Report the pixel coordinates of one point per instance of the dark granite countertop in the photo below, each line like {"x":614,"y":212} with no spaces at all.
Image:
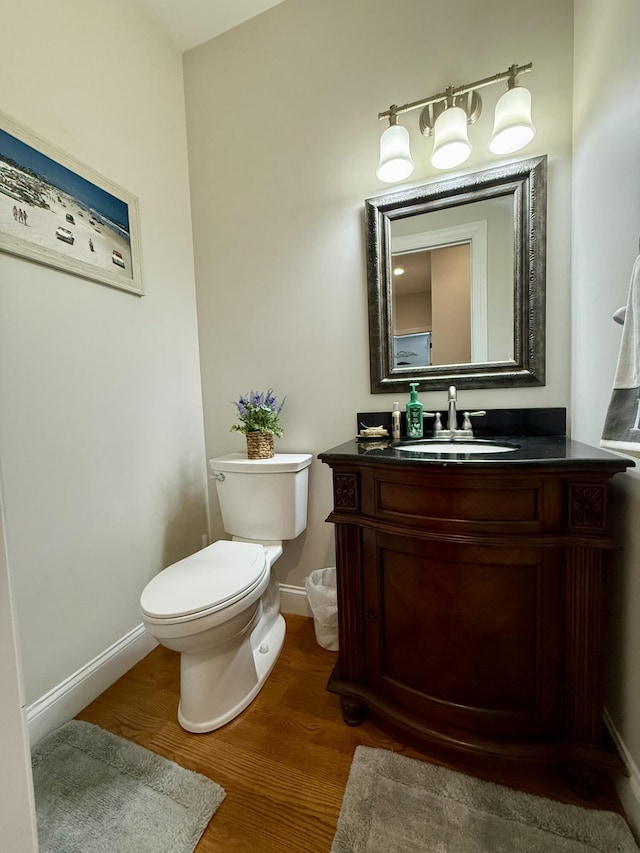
{"x":529,"y":450}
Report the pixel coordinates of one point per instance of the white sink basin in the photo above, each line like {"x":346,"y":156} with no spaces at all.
{"x":443,"y":446}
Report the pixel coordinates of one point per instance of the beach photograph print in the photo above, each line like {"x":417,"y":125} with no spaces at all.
{"x":56,"y":212}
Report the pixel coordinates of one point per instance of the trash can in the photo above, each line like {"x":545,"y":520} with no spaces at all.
{"x":322,"y":594}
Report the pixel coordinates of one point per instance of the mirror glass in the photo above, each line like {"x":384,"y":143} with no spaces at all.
{"x":456,"y":281}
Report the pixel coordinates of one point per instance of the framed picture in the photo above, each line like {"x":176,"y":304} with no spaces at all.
{"x":412,"y":350}
{"x":58,"y":212}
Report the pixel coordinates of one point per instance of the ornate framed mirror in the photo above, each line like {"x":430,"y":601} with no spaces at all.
{"x":456,"y":275}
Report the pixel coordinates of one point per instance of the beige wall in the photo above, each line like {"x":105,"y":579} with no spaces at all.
{"x":451,"y":300}
{"x":606,"y":217}
{"x":283,"y":146}
{"x":412,"y":313}
{"x":101,"y":433}
{"x":17,"y":808}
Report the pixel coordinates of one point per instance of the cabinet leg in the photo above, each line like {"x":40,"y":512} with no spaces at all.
{"x":586,"y":781}
{"x":353,"y":711}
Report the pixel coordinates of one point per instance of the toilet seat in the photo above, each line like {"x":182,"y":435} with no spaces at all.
{"x":209,"y":580}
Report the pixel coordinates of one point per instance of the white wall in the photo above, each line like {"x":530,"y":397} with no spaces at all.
{"x":283,"y":146}
{"x":606,"y":220}
{"x":101,"y":434}
{"x":17,"y":810}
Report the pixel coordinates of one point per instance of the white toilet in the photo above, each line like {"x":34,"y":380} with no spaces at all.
{"x":220,"y":607}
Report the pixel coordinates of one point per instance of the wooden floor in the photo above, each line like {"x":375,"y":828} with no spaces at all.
{"x":284,"y":762}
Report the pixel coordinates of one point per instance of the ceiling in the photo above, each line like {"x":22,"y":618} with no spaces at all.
{"x":192,"y":22}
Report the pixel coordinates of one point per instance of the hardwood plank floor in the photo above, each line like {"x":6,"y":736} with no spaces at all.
{"x":285,"y":760}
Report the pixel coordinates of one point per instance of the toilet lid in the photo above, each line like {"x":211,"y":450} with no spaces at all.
{"x":207,"y":580}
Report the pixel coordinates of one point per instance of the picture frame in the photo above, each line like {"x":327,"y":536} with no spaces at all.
{"x":412,"y":350}
{"x":60,"y":213}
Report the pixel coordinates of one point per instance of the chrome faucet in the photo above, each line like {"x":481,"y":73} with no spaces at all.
{"x":452,"y":430}
{"x":452,"y":417}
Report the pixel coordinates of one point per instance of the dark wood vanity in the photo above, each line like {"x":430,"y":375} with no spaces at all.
{"x":470,"y":594}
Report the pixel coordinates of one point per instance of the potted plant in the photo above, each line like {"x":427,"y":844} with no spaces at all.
{"x":259,"y":416}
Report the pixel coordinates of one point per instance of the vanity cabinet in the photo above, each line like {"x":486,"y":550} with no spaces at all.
{"x":470,"y":599}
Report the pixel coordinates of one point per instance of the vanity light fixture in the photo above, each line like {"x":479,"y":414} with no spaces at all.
{"x":512,"y":125}
{"x":396,"y":162}
{"x":451,"y":145}
{"x":446,"y":117}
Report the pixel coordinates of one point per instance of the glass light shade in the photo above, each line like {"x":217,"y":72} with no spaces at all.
{"x":396,"y":162}
{"x":512,"y":126}
{"x":451,"y":145}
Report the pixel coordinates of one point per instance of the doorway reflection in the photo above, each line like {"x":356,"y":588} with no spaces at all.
{"x":432,"y":306}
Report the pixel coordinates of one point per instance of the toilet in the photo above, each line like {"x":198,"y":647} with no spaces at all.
{"x":220,"y":607}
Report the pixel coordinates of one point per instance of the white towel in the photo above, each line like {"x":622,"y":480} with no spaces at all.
{"x":622,"y":425}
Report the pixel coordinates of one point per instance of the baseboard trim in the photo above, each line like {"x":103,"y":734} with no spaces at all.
{"x":68,"y":698}
{"x":628,"y":787}
{"x":63,"y":702}
{"x":293,"y":599}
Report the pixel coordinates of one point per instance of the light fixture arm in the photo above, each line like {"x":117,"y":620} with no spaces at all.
{"x":455,"y":91}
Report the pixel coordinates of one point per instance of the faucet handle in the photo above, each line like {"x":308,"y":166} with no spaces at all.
{"x":437,"y":423}
{"x":466,"y":422}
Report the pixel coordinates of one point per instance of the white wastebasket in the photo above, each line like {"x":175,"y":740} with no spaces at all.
{"x":322,"y":594}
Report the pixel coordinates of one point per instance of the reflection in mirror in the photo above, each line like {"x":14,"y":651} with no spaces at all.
{"x":447,"y":263}
{"x":456,"y":281}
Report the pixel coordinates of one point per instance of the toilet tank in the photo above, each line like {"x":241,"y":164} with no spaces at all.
{"x":263,"y":499}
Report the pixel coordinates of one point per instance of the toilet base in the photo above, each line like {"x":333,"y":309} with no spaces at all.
{"x":214,"y":692}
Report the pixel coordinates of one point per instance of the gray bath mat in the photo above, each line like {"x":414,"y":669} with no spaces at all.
{"x":98,"y":793}
{"x":395,"y":804}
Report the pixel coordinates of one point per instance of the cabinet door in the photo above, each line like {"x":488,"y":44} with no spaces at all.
{"x":467,"y":636}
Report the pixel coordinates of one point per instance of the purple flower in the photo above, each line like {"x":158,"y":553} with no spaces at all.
{"x":258,"y":411}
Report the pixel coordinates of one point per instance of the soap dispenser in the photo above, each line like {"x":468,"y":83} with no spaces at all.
{"x":414,"y":414}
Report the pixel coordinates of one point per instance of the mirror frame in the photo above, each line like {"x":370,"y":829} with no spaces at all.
{"x":526,"y":182}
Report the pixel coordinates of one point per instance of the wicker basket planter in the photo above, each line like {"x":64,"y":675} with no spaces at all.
{"x":260,"y":445}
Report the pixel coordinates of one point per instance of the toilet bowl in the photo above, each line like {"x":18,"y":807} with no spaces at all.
{"x":220,"y":607}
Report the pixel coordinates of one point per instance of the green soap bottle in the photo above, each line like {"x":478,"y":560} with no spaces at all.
{"x":414,"y":414}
